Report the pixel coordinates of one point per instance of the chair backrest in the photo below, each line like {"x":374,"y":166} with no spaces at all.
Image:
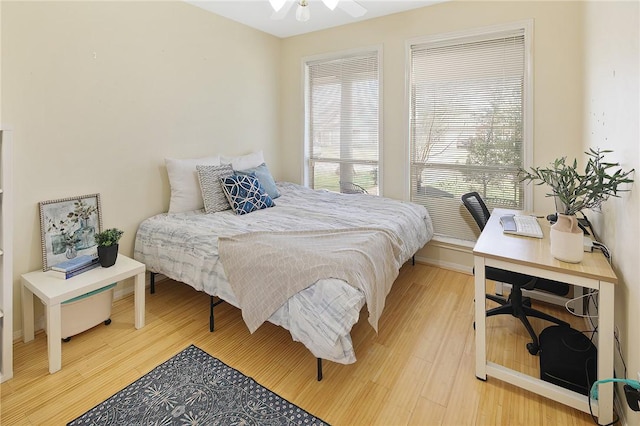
{"x":476,"y":206}
{"x":351,"y":188}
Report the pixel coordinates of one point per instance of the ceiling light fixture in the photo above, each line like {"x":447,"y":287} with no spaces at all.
{"x":277,"y":4}
{"x":302,"y":12}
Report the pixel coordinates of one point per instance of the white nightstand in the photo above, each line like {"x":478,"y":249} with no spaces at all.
{"x":53,"y":291}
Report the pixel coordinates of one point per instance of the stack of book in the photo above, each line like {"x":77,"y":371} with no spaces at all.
{"x":75,"y":266}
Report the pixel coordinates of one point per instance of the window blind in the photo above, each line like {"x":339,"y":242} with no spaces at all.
{"x":466,"y":126}
{"x":342,"y":123}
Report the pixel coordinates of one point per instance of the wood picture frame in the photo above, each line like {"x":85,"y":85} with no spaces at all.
{"x":67,"y":227}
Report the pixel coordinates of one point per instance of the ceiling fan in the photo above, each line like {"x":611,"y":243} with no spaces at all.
{"x":281,"y":8}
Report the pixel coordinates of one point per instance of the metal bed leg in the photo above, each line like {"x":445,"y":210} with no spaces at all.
{"x":211,"y":306}
{"x":152,"y":282}
{"x":319,"y":369}
{"x":413,"y":260}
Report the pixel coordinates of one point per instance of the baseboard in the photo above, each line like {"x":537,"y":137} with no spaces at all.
{"x":119,"y":293}
{"x":456,"y":267}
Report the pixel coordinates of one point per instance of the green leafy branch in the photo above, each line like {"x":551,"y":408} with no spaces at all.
{"x":578,"y":191}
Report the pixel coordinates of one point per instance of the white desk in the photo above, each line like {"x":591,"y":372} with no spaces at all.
{"x":53,"y":291}
{"x":532,"y":256}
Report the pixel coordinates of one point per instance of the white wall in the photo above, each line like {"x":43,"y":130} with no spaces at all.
{"x":611,"y":120}
{"x":0,"y":65}
{"x":99,"y":93}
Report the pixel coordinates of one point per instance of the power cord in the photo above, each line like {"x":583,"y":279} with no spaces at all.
{"x":589,"y":295}
{"x":632,"y":389}
{"x":604,"y":249}
{"x":618,"y":345}
{"x":596,"y":241}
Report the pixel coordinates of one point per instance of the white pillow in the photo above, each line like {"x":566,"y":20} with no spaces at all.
{"x":185,"y":188}
{"x":244,"y":162}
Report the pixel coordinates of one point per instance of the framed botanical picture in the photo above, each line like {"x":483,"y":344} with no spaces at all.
{"x":68,"y":227}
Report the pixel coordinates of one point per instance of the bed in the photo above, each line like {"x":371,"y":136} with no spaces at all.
{"x":184,"y":247}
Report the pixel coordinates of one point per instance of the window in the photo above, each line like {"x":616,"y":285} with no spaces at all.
{"x":342,"y":136}
{"x":468,"y":125}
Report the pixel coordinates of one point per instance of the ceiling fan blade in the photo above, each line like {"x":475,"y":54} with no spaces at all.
{"x":277,"y":4}
{"x":331,"y":4}
{"x":352,"y":8}
{"x":283,"y":11}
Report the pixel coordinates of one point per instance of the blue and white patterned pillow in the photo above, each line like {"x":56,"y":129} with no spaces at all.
{"x":245,"y":194}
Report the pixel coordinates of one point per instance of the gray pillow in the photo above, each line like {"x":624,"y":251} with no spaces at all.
{"x":212,"y":193}
{"x":264,"y":177}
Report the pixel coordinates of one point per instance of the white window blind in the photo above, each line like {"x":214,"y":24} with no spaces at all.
{"x":342,"y":101}
{"x":466,"y":126}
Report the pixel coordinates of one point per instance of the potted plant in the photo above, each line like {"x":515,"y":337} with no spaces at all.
{"x":107,"y":241}
{"x":574,"y":192}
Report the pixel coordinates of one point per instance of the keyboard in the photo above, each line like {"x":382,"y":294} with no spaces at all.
{"x":524,"y":225}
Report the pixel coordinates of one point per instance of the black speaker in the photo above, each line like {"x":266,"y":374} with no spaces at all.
{"x":568,"y":359}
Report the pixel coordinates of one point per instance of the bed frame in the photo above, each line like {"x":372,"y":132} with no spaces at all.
{"x":213,"y":303}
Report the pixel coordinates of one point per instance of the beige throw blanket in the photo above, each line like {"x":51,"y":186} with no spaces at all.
{"x":265,"y":269}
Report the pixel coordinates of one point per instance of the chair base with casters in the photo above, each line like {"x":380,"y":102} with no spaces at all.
{"x":519,"y":306}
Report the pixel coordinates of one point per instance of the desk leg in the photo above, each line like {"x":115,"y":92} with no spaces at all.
{"x":139,"y":300}
{"x":54,"y":337}
{"x":27,"y":315}
{"x":605,"y":351}
{"x":579,"y":306}
{"x":480,"y":316}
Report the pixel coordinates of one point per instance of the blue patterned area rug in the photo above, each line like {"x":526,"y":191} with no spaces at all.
{"x":194,"y":388}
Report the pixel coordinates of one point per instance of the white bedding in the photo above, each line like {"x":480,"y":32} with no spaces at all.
{"x":184,"y":247}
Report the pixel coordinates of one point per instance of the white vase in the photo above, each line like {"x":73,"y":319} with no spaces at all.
{"x":567,"y":239}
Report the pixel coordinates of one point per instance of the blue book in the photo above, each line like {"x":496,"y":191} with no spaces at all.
{"x":75,"y":263}
{"x":73,"y":273}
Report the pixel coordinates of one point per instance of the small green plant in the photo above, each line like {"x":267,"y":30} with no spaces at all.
{"x":108,"y":237}
{"x":578,"y":191}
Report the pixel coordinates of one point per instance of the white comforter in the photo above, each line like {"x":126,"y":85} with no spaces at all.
{"x":184,"y":247}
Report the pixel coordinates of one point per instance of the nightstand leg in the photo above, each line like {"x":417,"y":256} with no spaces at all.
{"x":139,"y":299}
{"x":54,"y":337}
{"x":27,"y":315}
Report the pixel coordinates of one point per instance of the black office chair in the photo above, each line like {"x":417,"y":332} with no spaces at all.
{"x":515,"y":305}
{"x":351,"y":188}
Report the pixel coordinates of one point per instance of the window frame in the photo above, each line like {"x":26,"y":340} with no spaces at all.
{"x":306,"y":160}
{"x":481,"y":33}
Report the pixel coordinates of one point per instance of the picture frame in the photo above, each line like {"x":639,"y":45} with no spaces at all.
{"x":67,"y":227}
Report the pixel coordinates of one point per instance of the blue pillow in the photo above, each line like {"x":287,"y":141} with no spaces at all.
{"x":265,"y":178}
{"x":245,"y":193}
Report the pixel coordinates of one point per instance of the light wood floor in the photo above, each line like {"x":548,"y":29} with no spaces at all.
{"x":418,"y":370}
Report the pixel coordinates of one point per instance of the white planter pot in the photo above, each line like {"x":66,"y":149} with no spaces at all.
{"x":567,"y":239}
